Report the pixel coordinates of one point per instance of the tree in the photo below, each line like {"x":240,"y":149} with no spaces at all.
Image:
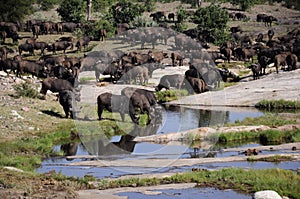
{"x":48,"y":4}
{"x":243,"y":4}
{"x":212,"y":23}
{"x":125,"y":11}
{"x":15,"y":10}
{"x":89,"y":10}
{"x":72,"y":10}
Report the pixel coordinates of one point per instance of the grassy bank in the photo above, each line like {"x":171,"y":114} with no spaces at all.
{"x":284,"y":182}
{"x":278,"y":105}
{"x":263,"y":137}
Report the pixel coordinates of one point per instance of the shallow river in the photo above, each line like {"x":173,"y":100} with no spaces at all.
{"x":174,"y":119}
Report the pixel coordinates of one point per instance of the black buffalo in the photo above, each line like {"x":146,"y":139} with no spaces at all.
{"x":55,"y":85}
{"x":112,"y":103}
{"x":67,"y":100}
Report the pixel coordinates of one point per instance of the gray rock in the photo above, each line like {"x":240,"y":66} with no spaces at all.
{"x":267,"y":194}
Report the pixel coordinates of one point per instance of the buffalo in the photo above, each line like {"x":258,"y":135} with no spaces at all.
{"x":27,"y":48}
{"x":128,"y":91}
{"x":67,"y":100}
{"x":168,"y":81}
{"x":256,"y":70}
{"x":269,"y":20}
{"x":55,"y":85}
{"x":60,"y":45}
{"x":139,"y":103}
{"x":136,"y":72}
{"x":291,"y":61}
{"x":28,"y":66}
{"x":8,"y":64}
{"x":112,"y":103}
{"x":195,"y":85}
{"x":83,"y":42}
{"x":177,"y":58}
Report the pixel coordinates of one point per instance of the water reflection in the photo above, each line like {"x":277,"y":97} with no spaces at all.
{"x":170,"y":119}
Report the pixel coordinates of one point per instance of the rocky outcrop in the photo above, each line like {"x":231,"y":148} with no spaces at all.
{"x":267,"y":194}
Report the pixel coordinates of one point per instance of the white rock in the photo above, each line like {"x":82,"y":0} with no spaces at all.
{"x":267,"y":194}
{"x":13,"y":169}
{"x":16,"y":114}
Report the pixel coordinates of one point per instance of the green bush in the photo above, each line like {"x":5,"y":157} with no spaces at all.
{"x":72,"y":10}
{"x":26,"y":90}
{"x":212,"y":23}
{"x":125,"y":11}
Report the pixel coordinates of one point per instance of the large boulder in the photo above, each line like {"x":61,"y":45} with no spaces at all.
{"x":267,"y":194}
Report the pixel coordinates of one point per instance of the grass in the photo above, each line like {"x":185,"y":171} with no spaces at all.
{"x":170,"y":95}
{"x":264,"y":137}
{"x":86,"y":79}
{"x":26,"y":90}
{"x":282,"y":181}
{"x":275,"y":158}
{"x":269,"y":119}
{"x":278,"y":104}
{"x":26,"y":153}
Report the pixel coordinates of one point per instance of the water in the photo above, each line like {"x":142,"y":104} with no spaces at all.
{"x":191,"y":193}
{"x":122,"y":147}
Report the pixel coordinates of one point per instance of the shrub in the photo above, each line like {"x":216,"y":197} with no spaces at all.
{"x":72,"y":10}
{"x":212,"y":23}
{"x":125,"y":11}
{"x":169,"y":95}
{"x":26,"y":90}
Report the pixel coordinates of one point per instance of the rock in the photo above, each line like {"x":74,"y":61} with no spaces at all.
{"x":13,"y":169}
{"x":267,"y":194}
{"x":25,"y":109}
{"x":16,"y":114}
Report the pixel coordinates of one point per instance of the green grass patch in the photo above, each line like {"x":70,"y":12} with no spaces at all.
{"x":228,"y":84}
{"x":278,"y":104}
{"x":170,"y":95}
{"x":275,"y":158}
{"x":86,"y":79}
{"x":27,"y":153}
{"x":269,"y":119}
{"x":264,"y":137}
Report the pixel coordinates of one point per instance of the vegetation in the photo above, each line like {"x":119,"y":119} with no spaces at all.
{"x":48,"y":4}
{"x":275,"y":158}
{"x":169,"y":95}
{"x":26,"y":90}
{"x":125,"y":11}
{"x":212,"y":23}
{"x":243,"y":4}
{"x":269,"y":119}
{"x":278,"y":104}
{"x":72,"y":10}
{"x":26,"y":153}
{"x":282,"y":181}
{"x":264,"y":137}
{"x":10,"y":12}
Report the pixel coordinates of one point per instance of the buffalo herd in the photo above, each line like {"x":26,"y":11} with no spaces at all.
{"x":60,"y":72}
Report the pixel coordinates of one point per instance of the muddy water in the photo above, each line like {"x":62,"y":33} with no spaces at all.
{"x":175,"y":119}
